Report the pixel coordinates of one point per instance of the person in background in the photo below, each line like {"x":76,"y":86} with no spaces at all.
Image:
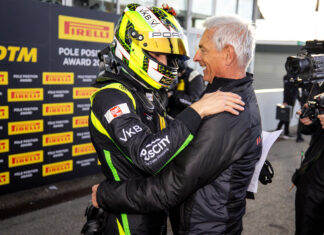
{"x":290,"y":96}
{"x":309,"y":180}
{"x":205,"y":187}
{"x":128,"y":123}
{"x":189,"y":89}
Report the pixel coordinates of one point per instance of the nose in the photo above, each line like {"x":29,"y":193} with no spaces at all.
{"x":197,"y":56}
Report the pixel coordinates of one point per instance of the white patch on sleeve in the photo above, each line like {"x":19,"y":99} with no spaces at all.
{"x":116,"y":111}
{"x":192,"y":75}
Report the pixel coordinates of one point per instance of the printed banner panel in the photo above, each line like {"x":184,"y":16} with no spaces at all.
{"x":47,"y":66}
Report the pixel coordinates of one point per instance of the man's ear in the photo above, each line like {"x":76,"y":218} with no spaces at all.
{"x":230,"y":54}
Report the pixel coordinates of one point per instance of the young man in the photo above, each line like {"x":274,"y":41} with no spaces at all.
{"x":205,"y":187}
{"x":128,"y":123}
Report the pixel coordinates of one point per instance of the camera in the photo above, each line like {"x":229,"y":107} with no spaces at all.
{"x":308,"y":65}
{"x":314,"y":107}
{"x":306,"y":70}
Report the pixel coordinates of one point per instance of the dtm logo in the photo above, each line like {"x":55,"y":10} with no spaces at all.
{"x":127,"y":134}
{"x":154,"y":148}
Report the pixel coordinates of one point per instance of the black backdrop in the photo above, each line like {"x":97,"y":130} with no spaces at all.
{"x":48,"y":60}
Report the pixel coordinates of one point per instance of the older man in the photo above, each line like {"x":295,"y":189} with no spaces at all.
{"x":205,"y":187}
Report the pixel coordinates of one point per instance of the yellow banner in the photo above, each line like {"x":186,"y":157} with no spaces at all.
{"x":25,"y":94}
{"x":4,"y":145}
{"x":82,"y":149}
{"x":25,"y":127}
{"x":50,"y":78}
{"x":3,"y":78}
{"x":57,"y":168}
{"x":80,"y":121}
{"x":58,"y":109}
{"x":22,"y":159}
{"x":4,"y":112}
{"x":83,"y":92}
{"x":4,"y":178}
{"x":58,"y":138}
{"x":81,"y":29}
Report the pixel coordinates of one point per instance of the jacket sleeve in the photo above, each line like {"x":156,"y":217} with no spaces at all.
{"x":193,"y":90}
{"x":214,"y":148}
{"x":149,"y":151}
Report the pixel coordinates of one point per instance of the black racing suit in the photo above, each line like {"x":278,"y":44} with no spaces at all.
{"x":188,"y":90}
{"x":132,"y":138}
{"x":209,"y":180}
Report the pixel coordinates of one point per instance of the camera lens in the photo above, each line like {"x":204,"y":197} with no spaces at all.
{"x":297,"y":65}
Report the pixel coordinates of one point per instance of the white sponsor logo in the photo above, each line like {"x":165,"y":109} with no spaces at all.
{"x":150,"y":18}
{"x":116,"y":111}
{"x":154,"y":148}
{"x":165,"y":34}
{"x":127,"y":134}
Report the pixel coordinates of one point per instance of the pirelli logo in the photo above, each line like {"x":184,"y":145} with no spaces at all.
{"x":25,"y":94}
{"x":83,"y":92}
{"x":82,"y":149}
{"x":57,"y":168}
{"x":58,"y":138}
{"x":80,"y":121}
{"x":22,"y":159}
{"x":4,"y":178}
{"x":4,"y":112}
{"x":58,"y":109}
{"x":3,"y":78}
{"x":25,"y":127}
{"x":80,"y":29}
{"x":58,"y":78}
{"x":4,"y":146}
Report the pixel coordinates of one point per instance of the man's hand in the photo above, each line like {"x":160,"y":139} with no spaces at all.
{"x":321,"y":118}
{"x":218,"y":102}
{"x":305,"y":121}
{"x":94,"y":195}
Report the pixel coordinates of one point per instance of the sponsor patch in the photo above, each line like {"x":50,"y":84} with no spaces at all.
{"x":116,"y":111}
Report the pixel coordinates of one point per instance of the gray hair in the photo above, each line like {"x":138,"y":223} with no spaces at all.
{"x":234,"y":31}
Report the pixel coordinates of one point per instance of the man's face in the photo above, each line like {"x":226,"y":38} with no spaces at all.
{"x":162,"y":58}
{"x":209,"y":57}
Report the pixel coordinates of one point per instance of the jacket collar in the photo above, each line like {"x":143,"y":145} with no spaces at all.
{"x":227,"y":84}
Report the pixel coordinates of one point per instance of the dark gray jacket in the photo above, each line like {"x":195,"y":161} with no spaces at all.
{"x":208,"y":180}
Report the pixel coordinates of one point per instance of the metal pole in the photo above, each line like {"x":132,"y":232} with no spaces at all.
{"x":214,"y":3}
{"x":118,"y":7}
{"x":237,"y":6}
{"x":251,"y":66}
{"x":189,"y":16}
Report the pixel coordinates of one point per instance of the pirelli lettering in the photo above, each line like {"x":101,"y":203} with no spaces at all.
{"x":58,"y":109}
{"x":57,"y":168}
{"x":3,"y":78}
{"x":4,"y":146}
{"x":25,"y":127}
{"x":58,"y":138}
{"x":4,"y":178}
{"x":83,"y":92}
{"x":4,"y":112}
{"x":81,"y":29}
{"x":82,"y":149}
{"x":22,"y":159}
{"x":80,"y":121}
{"x":25,"y":94}
{"x":50,"y":78}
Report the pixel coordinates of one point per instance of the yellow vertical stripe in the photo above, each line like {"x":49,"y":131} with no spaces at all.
{"x":120,"y":228}
{"x":162,"y":122}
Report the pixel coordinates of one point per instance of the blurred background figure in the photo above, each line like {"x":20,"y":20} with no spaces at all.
{"x":189,"y":88}
{"x":290,"y":95}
